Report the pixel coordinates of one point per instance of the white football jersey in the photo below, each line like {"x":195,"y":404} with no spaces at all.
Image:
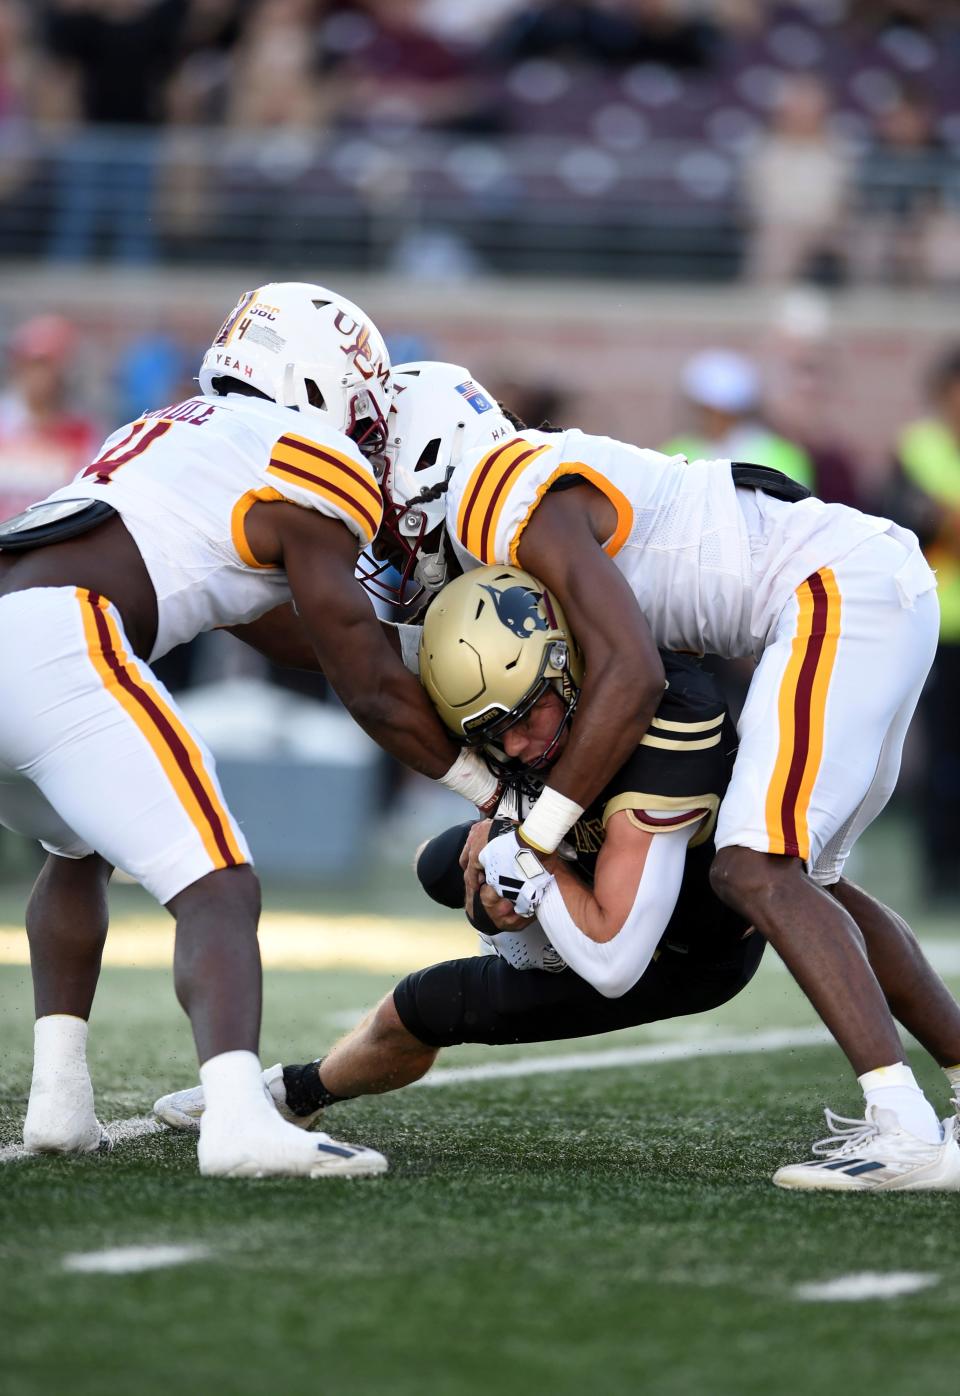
{"x":183,"y":479}
{"x":711,"y":565}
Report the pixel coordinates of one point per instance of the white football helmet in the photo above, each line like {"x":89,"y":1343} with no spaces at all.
{"x":308,"y":348}
{"x":439,"y":415}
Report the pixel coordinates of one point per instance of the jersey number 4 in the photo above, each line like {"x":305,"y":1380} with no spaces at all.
{"x":137,"y":440}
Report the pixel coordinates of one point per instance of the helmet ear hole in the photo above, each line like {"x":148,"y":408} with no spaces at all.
{"x":429,"y":454}
{"x":314,"y":395}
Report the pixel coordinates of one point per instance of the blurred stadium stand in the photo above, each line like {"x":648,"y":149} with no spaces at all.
{"x":559,"y":140}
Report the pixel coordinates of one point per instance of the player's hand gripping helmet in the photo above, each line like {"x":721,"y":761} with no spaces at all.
{"x":308,"y":348}
{"x":493,"y":642}
{"x":439,"y":415}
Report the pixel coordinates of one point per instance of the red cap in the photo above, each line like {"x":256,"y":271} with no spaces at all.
{"x":43,"y":337}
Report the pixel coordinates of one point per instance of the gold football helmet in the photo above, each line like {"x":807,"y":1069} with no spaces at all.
{"x":493,"y":642}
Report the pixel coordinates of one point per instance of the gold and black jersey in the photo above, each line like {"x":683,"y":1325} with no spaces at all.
{"x":675,"y":779}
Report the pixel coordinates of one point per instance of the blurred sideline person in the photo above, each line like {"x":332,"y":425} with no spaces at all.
{"x":211,"y":512}
{"x":722,"y":390}
{"x":43,"y":440}
{"x":796,"y":183}
{"x":924,"y":493}
{"x":723,"y":400}
{"x":839,"y":609}
{"x":628,"y":930}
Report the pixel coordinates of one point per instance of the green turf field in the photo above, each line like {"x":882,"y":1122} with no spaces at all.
{"x":608,"y":1230}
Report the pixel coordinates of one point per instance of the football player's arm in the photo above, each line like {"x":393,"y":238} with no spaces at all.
{"x":562,"y":545}
{"x":608,"y":933}
{"x":319,"y":555}
{"x":280,"y":636}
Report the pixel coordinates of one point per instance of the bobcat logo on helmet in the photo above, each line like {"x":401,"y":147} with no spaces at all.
{"x":518,"y":608}
{"x":485,"y":666}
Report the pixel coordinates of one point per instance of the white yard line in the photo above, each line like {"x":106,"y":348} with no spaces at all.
{"x":778,"y":1040}
{"x":122,"y":1131}
{"x":868,"y":1284}
{"x":129,"y":1260}
{"x":119,"y":1132}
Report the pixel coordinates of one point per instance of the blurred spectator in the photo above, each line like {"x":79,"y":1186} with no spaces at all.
{"x":123,"y":52}
{"x":925,"y":495}
{"x":940,"y":254}
{"x":43,"y":442}
{"x":196,"y":92}
{"x":120,"y":55}
{"x":620,"y":34}
{"x":17,"y":77}
{"x":403,"y":72}
{"x":155,"y":368}
{"x":803,"y":383}
{"x":722,"y":393}
{"x":15,"y":60}
{"x":797,"y":185}
{"x":901,"y":183}
{"x":276,"y":82}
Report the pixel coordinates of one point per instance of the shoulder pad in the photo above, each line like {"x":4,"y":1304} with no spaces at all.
{"x":335,"y":480}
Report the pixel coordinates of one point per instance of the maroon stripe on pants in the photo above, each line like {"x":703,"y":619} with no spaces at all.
{"x":162,"y":723}
{"x":801,"y":715}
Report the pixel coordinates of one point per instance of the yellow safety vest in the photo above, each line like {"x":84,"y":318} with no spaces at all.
{"x":768,"y":449}
{"x":930,"y":455}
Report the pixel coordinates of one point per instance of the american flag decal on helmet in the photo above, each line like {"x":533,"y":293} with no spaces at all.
{"x":477,"y":399}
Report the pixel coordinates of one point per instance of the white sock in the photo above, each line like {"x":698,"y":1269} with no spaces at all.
{"x":895,"y":1088}
{"x":233,"y":1086}
{"x":59,"y":1044}
{"x":60,"y":1112}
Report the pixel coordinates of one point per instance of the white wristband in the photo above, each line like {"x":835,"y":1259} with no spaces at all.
{"x":471,"y":777}
{"x":551,"y":817}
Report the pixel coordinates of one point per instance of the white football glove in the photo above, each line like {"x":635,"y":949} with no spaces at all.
{"x":514,"y":871}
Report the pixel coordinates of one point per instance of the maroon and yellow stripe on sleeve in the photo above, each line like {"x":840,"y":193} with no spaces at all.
{"x":336,"y":478}
{"x":801,"y":710}
{"x":172,"y":744}
{"x":486,"y":494}
{"x":617,"y":498}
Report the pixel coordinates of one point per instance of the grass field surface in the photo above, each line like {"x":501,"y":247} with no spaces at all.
{"x":609,"y":1230}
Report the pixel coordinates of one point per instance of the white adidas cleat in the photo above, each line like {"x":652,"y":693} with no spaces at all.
{"x":61,"y":1118}
{"x":875,"y":1155}
{"x":270,"y":1148}
{"x":184,"y":1109}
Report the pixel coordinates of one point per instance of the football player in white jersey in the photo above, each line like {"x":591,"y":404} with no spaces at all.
{"x":628,"y":929}
{"x":839,"y":608}
{"x":212,"y":512}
